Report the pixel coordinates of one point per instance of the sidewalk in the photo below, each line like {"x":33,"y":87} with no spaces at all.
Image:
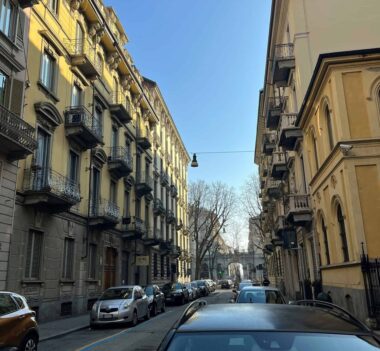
{"x":53,"y":329}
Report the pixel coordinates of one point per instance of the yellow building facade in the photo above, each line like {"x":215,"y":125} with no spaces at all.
{"x":102,"y":201}
{"x":318,"y":153}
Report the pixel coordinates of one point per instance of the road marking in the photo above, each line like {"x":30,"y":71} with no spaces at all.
{"x":111,"y":337}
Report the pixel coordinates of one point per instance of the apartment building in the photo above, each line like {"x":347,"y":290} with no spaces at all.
{"x":317,"y":148}
{"x":16,"y":135}
{"x":102,"y":200}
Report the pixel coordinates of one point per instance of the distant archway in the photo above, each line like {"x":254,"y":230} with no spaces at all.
{"x":235,"y":271}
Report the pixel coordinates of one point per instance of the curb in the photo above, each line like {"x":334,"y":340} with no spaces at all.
{"x":68,"y":331}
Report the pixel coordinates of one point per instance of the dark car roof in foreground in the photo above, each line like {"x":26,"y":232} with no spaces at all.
{"x":260,"y":317}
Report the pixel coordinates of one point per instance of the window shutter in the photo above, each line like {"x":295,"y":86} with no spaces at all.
{"x":20,"y":20}
{"x":17,"y":96}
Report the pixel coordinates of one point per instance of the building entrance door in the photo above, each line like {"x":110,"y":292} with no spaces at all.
{"x":110,"y":268}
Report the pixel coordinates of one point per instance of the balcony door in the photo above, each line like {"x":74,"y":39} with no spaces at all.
{"x":95,"y":191}
{"x":79,"y":40}
{"x":76,"y":96}
{"x":110,"y":268}
{"x":42,"y":160}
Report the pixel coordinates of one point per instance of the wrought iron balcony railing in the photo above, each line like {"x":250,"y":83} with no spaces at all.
{"x":104,"y":208}
{"x":121,"y":107}
{"x":47,"y":181}
{"x":144,"y":183}
{"x":275,"y":106}
{"x":17,"y":136}
{"x":120,"y":161}
{"x":82,"y":126}
{"x":143,"y":138}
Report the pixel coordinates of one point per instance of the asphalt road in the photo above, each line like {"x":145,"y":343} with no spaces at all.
{"x":146,"y":336}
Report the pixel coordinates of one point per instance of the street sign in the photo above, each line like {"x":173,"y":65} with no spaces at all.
{"x":142,"y":260}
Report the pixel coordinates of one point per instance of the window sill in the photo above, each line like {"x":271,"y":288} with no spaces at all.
{"x":26,"y":282}
{"x":66,"y":282}
{"x":340,"y":265}
{"x":92,"y":281}
{"x":47,"y":91}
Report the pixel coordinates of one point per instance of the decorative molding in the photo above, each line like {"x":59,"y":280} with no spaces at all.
{"x":48,"y":115}
{"x":75,"y":4}
{"x":333,"y":181}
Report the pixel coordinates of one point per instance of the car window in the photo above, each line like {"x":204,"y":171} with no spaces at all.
{"x":7,"y":305}
{"x":260,"y":296}
{"x":242,"y":285}
{"x":267,"y":341}
{"x":19,"y":301}
{"x":117,"y":293}
{"x":149,"y":290}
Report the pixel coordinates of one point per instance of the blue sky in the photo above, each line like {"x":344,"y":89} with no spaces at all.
{"x":208,"y":58}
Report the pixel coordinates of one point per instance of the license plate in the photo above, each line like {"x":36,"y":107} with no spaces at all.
{"x":107,"y":316}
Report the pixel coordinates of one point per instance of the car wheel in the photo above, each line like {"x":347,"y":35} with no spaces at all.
{"x":163,"y":308}
{"x":134,"y":319}
{"x":153,"y":310}
{"x":29,"y":343}
{"x":147,"y":316}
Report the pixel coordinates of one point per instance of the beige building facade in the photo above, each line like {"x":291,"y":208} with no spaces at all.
{"x":102,"y":200}
{"x":318,"y":153}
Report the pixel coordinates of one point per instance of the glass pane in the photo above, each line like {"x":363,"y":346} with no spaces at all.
{"x":7,"y":305}
{"x":6,"y":10}
{"x":115,"y":294}
{"x":3,"y":86}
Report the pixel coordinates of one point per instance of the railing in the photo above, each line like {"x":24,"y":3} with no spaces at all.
{"x":121,"y":99}
{"x":139,"y":225}
{"x":47,"y":180}
{"x":79,"y":47}
{"x":284,"y":51}
{"x":79,"y":115}
{"x":104,"y":208}
{"x":278,"y":157}
{"x":121,"y":153}
{"x":164,"y":178}
{"x":288,"y":120}
{"x":144,"y":178}
{"x":297,"y":203}
{"x":271,"y":183}
{"x":276,"y":102}
{"x":371,"y":274}
{"x":270,"y":138}
{"x":170,"y":217}
{"x":15,"y":128}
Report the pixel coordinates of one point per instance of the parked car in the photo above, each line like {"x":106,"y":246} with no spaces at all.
{"x":260,"y":294}
{"x":120,"y":304}
{"x":203,"y":287}
{"x":318,"y":327}
{"x":175,"y":293}
{"x":192,"y":292}
{"x":226,"y":284}
{"x":196,"y":289}
{"x":156,"y":299}
{"x":212,"y":285}
{"x":18,"y":326}
{"x":235,"y":292}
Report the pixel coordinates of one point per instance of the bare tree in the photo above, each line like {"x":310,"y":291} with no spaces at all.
{"x":210,"y":208}
{"x":252,"y":205}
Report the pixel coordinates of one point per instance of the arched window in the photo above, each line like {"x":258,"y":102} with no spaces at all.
{"x":329,"y":127}
{"x":315,"y":152}
{"x":342,"y":233}
{"x":325,"y":240}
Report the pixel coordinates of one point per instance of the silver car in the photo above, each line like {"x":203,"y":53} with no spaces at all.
{"x":192,"y":292}
{"x":120,"y":304}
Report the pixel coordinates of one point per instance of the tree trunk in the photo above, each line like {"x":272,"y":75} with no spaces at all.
{"x":197,"y":267}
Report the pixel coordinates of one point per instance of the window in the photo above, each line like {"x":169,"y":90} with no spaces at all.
{"x":79,"y":40}
{"x":147,"y":222}
{"x":99,"y":63}
{"x":113,"y":196}
{"x":126,"y":203}
{"x":48,"y":71}
{"x":95,"y":191}
{"x":167,"y":267}
{"x":314,"y":142}
{"x":92,"y":261}
{"x":76,"y":96}
{"x":329,"y":127}
{"x":155,"y":267}
{"x":114,"y":137}
{"x":19,"y":301}
{"x":3,"y":88}
{"x":73,"y":166}
{"x":325,"y":240}
{"x":138,"y":208}
{"x":7,"y":11}
{"x":7,"y":305}
{"x":342,"y":233}
{"x":33,"y":255}
{"x":68,"y":259}
{"x":53,"y":6}
{"x":97,"y":123}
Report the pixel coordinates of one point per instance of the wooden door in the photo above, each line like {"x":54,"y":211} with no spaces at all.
{"x":110,"y":268}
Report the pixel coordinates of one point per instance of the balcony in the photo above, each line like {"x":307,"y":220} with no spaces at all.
{"x":164,"y":179}
{"x":120,"y":162}
{"x":275,"y":107}
{"x":17,"y":138}
{"x":274,"y":188}
{"x":269,"y":142}
{"x":150,"y":238}
{"x":143,"y":140}
{"x":283,"y":63}
{"x":82,"y":127}
{"x":173,"y":191}
{"x":298,"y":210}
{"x":103,"y":213}
{"x":278,"y":165}
{"x":135,"y":230}
{"x":166,"y":246}
{"x":288,"y":132}
{"x":120,"y":107}
{"x":175,"y":251}
{"x":27,"y":3}
{"x":170,"y":217}
{"x":143,"y":184}
{"x":158,"y":208}
{"x":49,"y":190}
{"x":83,"y":56}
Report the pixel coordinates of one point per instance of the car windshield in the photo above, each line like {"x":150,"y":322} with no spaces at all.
{"x":266,"y":341}
{"x":194,"y":284}
{"x":242,"y":285}
{"x":117,"y":294}
{"x":260,"y":296}
{"x":149,"y":290}
{"x":201,"y":283}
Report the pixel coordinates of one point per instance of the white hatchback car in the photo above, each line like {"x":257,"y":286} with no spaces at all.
{"x":120,"y":304}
